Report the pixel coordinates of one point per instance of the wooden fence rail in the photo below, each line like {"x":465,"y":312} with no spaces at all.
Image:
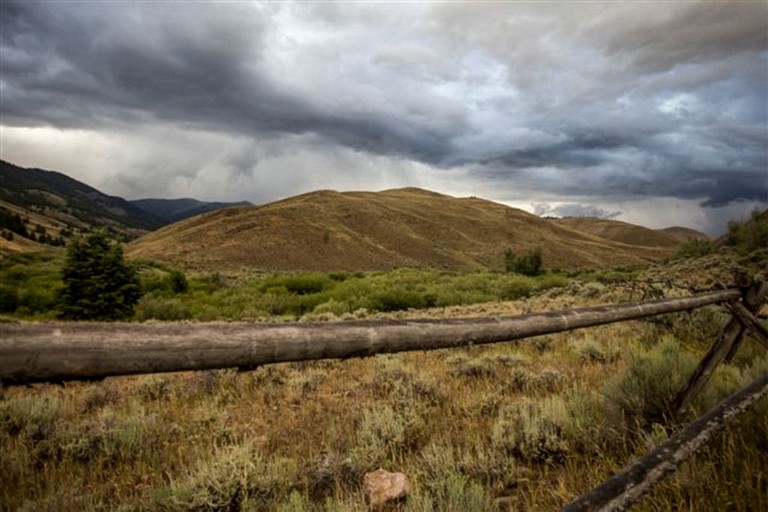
{"x":69,"y":351}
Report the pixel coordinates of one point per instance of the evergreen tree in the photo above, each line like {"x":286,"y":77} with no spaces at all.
{"x":98,"y":284}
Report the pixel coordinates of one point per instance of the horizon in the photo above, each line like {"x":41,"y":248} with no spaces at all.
{"x":625,"y":111}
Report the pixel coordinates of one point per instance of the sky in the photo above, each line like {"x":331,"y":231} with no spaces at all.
{"x":651,"y":112}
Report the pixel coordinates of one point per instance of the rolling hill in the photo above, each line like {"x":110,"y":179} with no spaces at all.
{"x":629,"y":233}
{"x":327,"y":230}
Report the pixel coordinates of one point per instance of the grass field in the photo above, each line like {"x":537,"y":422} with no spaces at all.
{"x":524,"y":426}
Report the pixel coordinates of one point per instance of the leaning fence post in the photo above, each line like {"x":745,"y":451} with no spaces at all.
{"x":753,"y":298}
{"x":725,"y":345}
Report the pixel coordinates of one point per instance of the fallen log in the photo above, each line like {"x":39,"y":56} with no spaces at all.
{"x":38,"y":352}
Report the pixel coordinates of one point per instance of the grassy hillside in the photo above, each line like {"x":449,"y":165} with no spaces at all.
{"x":328,"y":230}
{"x":631,"y":234}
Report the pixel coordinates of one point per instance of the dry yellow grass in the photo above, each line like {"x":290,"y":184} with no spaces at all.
{"x":328,"y":230}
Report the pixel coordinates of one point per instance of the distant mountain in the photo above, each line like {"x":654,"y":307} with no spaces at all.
{"x":52,"y":207}
{"x":327,"y":230}
{"x":40,"y":207}
{"x":174,"y":210}
{"x":631,"y":234}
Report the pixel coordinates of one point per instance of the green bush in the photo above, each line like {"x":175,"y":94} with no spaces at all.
{"x":299,"y":284}
{"x":645,"y":392}
{"x":749,"y":235}
{"x":528,"y":264}
{"x":158,"y":308}
{"x":9,"y":299}
{"x":694,"y":249}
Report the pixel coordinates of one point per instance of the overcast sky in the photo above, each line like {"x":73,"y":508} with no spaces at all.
{"x":652,"y":112}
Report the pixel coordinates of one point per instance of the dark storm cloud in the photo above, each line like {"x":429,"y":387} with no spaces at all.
{"x":621,"y":100}
{"x":201,"y":66}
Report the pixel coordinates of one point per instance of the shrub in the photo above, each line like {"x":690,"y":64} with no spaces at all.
{"x":516,"y":289}
{"x":528,"y":264}
{"x":30,"y":418}
{"x":385,"y":434}
{"x":591,"y":351}
{"x":164,"y":282}
{"x":235,"y":478}
{"x":695,"y":248}
{"x":750,"y":235}
{"x":298,"y":284}
{"x":397,"y":299}
{"x":157,"y":308}
{"x":644,"y":393}
{"x":533,"y":429}
{"x":9,"y":299}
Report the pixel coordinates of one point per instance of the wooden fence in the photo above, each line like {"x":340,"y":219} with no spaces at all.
{"x":55,"y":352}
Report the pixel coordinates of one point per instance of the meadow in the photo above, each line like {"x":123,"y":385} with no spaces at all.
{"x":515,"y":426}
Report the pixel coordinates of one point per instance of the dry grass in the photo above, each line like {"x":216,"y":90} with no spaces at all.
{"x":524,"y":426}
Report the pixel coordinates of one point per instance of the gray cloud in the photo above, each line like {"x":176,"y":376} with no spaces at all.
{"x":622,"y":101}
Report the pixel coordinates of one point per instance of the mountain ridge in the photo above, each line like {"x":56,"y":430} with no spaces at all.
{"x":174,"y":210}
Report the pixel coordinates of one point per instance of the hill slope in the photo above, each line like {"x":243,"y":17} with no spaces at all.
{"x":629,"y":233}
{"x":52,"y":203}
{"x":328,"y":230}
{"x":174,"y":210}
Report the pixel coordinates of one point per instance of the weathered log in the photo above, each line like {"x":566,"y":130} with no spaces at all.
{"x":753,"y":325}
{"x":64,"y":351}
{"x":632,"y":482}
{"x":724,"y":347}
{"x":753,"y":298}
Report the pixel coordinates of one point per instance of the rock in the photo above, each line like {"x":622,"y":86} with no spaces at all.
{"x":383,"y":488}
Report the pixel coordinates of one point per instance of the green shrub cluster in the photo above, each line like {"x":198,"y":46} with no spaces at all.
{"x":332,"y":295}
{"x":749,"y":235}
{"x":528,"y":264}
{"x":645,"y":392}
{"x":30,"y":284}
{"x":695,"y":248}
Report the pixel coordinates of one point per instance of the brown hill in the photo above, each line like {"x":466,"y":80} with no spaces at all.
{"x":685,"y":234}
{"x":328,"y":230}
{"x":630,"y":234}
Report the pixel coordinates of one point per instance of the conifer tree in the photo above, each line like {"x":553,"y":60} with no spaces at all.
{"x":98,"y":284}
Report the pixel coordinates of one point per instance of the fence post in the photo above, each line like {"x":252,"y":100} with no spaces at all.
{"x":753,"y":298}
{"x":725,"y":345}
